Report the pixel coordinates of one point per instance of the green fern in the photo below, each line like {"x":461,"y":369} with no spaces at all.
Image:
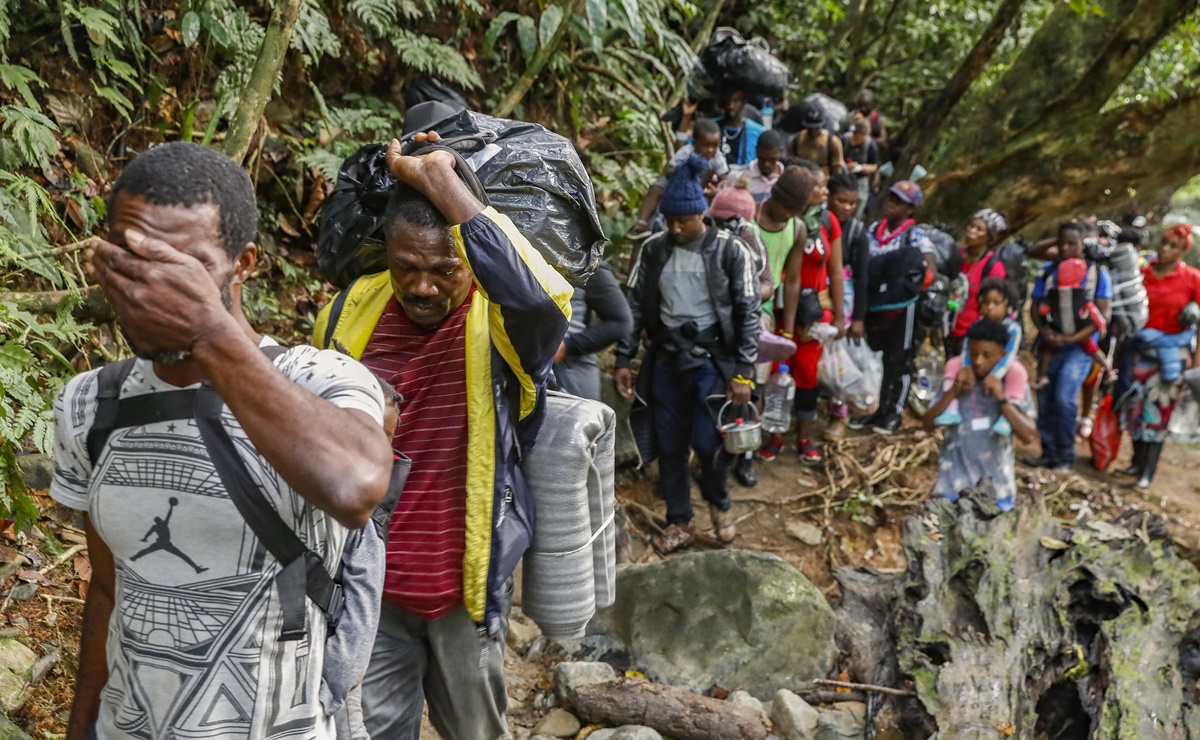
{"x":312,"y":35}
{"x":30,"y":133}
{"x":378,"y":15}
{"x":431,"y":56}
{"x":21,"y":79}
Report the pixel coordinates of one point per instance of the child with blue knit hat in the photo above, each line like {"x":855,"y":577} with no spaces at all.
{"x":693,"y":295}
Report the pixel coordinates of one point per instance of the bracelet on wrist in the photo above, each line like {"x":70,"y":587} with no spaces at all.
{"x":743,"y":381}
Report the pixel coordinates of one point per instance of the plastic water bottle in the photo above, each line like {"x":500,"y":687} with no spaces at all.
{"x":768,"y":114}
{"x":777,"y":402}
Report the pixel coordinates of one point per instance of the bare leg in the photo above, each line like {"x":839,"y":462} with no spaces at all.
{"x":649,"y":205}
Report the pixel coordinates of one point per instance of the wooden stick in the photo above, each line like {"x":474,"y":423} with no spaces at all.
{"x":71,"y":599}
{"x":864,"y":687}
{"x":70,"y":553}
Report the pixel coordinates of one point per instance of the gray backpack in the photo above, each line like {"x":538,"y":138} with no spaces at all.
{"x":350,"y":598}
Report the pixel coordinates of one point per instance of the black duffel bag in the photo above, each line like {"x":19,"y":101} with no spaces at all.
{"x":734,"y":63}
{"x":531,"y":175}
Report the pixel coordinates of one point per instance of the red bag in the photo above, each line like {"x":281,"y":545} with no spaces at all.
{"x":1106,"y":435}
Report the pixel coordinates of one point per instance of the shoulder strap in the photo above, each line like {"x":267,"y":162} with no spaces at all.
{"x":302,"y":571}
{"x":108,"y":398}
{"x":335,"y":313}
{"x":990,"y":264}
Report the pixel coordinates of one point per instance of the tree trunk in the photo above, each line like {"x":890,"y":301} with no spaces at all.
{"x":517,"y":92}
{"x":928,"y":123}
{"x":1069,"y":69}
{"x":670,"y":711}
{"x":1038,"y":144}
{"x":259,"y":87}
{"x":1089,"y":165}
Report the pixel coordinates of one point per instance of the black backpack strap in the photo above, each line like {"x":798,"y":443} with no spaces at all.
{"x":108,"y":398}
{"x":383,"y":512}
{"x":335,"y":313}
{"x":302,"y":571}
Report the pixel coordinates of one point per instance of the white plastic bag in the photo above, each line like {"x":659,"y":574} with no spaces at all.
{"x":871,"y":365}
{"x":837,"y":372}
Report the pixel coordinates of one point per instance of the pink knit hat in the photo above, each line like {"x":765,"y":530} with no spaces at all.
{"x":732,"y":201}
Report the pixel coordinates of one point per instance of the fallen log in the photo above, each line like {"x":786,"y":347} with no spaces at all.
{"x":92,"y":306}
{"x":670,"y":711}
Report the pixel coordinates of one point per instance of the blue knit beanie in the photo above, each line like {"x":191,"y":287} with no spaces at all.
{"x":684,"y":195}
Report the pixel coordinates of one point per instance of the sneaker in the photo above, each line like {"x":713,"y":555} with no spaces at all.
{"x":770,"y":450}
{"x":948,"y":418}
{"x":638,"y":232}
{"x":836,"y":430}
{"x":674,"y":537}
{"x":888,"y":425}
{"x":723,"y":524}
{"x":1062,"y":469}
{"x":1002,"y":427}
{"x":1037,"y":462}
{"x":744,"y":472}
{"x":1085,"y":427}
{"x":862,"y":422}
{"x":809,"y":453}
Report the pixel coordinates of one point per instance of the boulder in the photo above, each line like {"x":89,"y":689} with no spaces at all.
{"x":793,"y":718}
{"x":839,"y":725}
{"x":743,"y":699}
{"x":558,"y":723}
{"x":570,"y":676}
{"x":520,"y":633}
{"x":728,"y":618}
{"x":16,"y":665}
{"x":37,"y":470}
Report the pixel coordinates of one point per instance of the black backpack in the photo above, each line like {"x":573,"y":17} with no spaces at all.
{"x":896,"y":279}
{"x":302,"y":572}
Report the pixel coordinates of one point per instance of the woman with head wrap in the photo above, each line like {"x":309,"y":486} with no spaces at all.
{"x":1161,"y":352}
{"x":984,"y":231}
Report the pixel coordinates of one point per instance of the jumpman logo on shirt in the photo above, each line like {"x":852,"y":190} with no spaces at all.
{"x":161,"y":529}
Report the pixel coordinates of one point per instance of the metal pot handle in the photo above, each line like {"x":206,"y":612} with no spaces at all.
{"x":727,"y":404}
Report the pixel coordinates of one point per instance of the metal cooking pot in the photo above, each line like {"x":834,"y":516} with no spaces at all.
{"x":740,"y":436}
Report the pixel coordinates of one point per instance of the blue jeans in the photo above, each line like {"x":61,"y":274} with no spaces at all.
{"x":682,"y":420}
{"x":1058,"y":403}
{"x":1168,"y":347}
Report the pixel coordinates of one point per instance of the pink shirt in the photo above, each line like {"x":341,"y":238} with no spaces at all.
{"x":1015,"y":380}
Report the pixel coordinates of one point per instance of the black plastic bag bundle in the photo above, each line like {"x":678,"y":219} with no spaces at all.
{"x":734,"y":63}
{"x":531,"y":175}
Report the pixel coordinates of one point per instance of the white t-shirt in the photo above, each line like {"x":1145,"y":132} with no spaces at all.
{"x":193,"y":647}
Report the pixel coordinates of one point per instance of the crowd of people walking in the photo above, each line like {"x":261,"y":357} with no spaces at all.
{"x":291,"y":590}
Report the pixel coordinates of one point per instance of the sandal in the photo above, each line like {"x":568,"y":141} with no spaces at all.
{"x":674,"y":537}
{"x":723,"y":524}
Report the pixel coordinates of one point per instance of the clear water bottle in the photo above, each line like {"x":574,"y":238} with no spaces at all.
{"x":777,"y":401}
{"x":768,"y":114}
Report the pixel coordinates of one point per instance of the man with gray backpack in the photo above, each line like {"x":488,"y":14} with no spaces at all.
{"x":222,"y":477}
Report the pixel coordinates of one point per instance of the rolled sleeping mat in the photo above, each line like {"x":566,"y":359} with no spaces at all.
{"x":565,"y":471}
{"x":601,"y":504}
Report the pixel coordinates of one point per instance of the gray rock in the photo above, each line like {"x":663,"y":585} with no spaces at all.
{"x":743,"y":699}
{"x":730,"y":618}
{"x":839,"y":725}
{"x":857,"y":708}
{"x":625,"y":451}
{"x":37,"y":470}
{"x":570,"y":676}
{"x":558,"y":723}
{"x":16,"y":663}
{"x":23,"y":592}
{"x":805,"y":532}
{"x":9,"y":731}
{"x":628,"y":732}
{"x":794,"y":719}
{"x":521,"y":633}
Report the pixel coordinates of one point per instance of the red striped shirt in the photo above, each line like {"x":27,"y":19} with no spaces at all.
{"x":427,"y":536}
